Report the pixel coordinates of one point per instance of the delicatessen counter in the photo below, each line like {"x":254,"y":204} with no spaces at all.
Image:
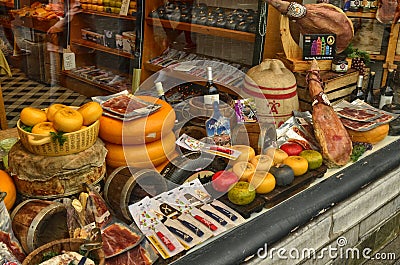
{"x":131,"y":183}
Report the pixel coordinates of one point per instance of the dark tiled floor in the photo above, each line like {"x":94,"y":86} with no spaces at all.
{"x":20,"y":92}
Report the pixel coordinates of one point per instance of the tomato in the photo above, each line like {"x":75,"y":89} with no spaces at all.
{"x":223,"y":180}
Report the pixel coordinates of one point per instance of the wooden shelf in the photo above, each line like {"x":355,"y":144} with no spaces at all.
{"x":33,"y":23}
{"x":219,"y":32}
{"x":84,"y":80}
{"x":106,"y":14}
{"x":95,"y":46}
{"x":7,"y":4}
{"x":377,"y":57}
{"x":360,"y":14}
{"x":184,"y":76}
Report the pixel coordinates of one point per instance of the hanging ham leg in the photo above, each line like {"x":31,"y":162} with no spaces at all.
{"x":335,"y":142}
{"x":321,"y":18}
{"x":386,"y":11}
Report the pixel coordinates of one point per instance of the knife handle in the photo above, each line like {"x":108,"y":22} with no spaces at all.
{"x":225,"y":212}
{"x":215,"y":217}
{"x":166,"y":241}
{"x":192,"y":228}
{"x":180,"y":233}
{"x":206,"y":222}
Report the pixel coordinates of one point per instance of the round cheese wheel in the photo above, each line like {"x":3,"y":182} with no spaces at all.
{"x":247,"y":153}
{"x":144,"y":130}
{"x":147,"y":155}
{"x":372,"y":136}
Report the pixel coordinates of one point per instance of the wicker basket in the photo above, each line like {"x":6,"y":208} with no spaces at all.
{"x":75,"y":141}
{"x":69,"y":244}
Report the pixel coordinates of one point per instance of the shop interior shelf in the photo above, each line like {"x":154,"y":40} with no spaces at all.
{"x":184,"y":76}
{"x":95,"y":46}
{"x":7,"y":4}
{"x":361,"y":14}
{"x":33,"y":23}
{"x":107,"y":14}
{"x":87,"y":81}
{"x":219,"y":32}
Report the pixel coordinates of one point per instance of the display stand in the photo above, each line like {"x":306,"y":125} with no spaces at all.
{"x":292,"y":55}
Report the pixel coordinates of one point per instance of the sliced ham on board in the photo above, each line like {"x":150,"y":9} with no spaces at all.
{"x":335,"y":142}
{"x":317,"y":19}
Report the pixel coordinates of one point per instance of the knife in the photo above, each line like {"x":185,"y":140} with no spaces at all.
{"x":174,"y":230}
{"x":196,"y":202}
{"x":173,"y":213}
{"x":225,"y":212}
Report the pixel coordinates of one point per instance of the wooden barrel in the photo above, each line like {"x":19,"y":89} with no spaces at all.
{"x":58,"y":246}
{"x":37,"y":222}
{"x":127,"y":185}
{"x":274,"y":89}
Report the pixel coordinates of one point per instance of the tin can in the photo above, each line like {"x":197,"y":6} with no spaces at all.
{"x":339,"y":65}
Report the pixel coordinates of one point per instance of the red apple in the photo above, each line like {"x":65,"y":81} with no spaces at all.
{"x":223,"y":180}
{"x":292,"y":149}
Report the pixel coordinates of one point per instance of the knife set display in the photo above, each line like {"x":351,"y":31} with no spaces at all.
{"x":182,"y":218}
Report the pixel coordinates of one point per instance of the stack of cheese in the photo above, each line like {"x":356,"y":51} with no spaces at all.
{"x":143,"y":143}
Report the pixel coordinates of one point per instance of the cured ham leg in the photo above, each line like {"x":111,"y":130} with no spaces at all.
{"x":386,"y":11}
{"x":335,"y":142}
{"x":319,"y":18}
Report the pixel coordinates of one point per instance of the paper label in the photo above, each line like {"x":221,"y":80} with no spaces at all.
{"x":69,"y":60}
{"x":124,"y":8}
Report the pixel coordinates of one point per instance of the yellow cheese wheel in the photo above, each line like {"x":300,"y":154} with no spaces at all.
{"x":372,"y":136}
{"x":247,"y":153}
{"x":142,"y":155}
{"x":144,"y":130}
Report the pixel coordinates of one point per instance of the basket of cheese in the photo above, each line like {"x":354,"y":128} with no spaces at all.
{"x":59,"y":129}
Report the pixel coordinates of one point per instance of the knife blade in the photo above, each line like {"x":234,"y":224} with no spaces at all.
{"x":196,"y":202}
{"x":225,"y":212}
{"x":173,"y":213}
{"x":173,"y":230}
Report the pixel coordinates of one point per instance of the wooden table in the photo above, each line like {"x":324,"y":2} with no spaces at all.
{"x":8,"y":133}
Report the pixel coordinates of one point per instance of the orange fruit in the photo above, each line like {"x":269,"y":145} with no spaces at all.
{"x":31,"y":116}
{"x":264,"y":182}
{"x":7,"y":185}
{"x":298,"y":164}
{"x":67,"y":120}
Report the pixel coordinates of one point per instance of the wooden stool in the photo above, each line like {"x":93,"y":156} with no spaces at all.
{"x":3,"y":116}
{"x":4,"y":69}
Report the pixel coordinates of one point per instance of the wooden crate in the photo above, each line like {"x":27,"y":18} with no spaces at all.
{"x":337,"y":86}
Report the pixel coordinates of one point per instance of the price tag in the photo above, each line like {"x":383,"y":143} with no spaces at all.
{"x":69,"y":59}
{"x":124,"y":8}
